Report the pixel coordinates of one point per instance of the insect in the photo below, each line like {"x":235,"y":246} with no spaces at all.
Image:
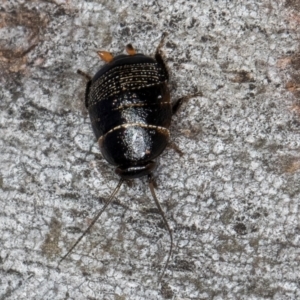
{"x":130,"y":110}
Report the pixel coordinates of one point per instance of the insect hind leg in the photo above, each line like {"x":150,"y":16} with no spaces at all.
{"x":159,"y":57}
{"x":88,"y":85}
{"x":85,"y":75}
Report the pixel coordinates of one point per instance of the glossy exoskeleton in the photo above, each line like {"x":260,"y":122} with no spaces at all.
{"x":129,"y":106}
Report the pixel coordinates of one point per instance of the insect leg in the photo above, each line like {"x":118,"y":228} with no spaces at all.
{"x":85,"y":75}
{"x":158,"y":55}
{"x":88,"y":85}
{"x":177,"y":104}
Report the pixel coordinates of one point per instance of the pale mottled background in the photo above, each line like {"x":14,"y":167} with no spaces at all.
{"x":232,"y":199}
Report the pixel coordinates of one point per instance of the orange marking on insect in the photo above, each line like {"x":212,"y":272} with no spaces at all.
{"x":105,"y":56}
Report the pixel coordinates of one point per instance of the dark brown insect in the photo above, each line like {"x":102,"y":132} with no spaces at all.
{"x":130,"y":110}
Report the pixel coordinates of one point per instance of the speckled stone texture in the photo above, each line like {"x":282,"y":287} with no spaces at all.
{"x":232,"y":198}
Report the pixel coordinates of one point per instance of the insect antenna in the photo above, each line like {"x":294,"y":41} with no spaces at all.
{"x":151,"y":186}
{"x":95,"y":219}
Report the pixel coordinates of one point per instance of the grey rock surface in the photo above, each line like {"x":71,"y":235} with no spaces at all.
{"x":232,"y":198}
